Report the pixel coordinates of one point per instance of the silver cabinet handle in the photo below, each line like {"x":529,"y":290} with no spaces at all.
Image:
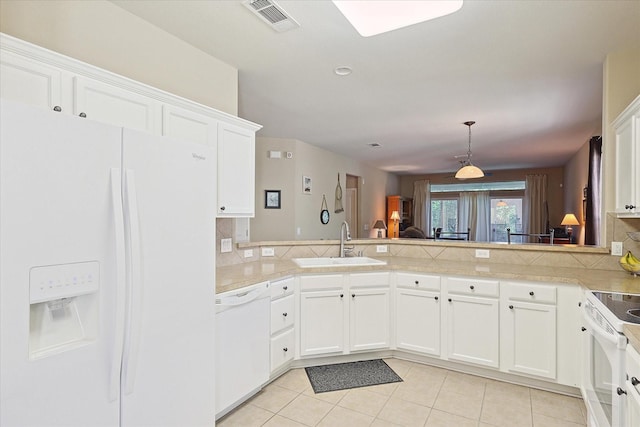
{"x":57,"y":109}
{"x":83,"y":115}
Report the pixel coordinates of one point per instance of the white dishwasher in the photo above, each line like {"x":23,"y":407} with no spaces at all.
{"x":242,"y":345}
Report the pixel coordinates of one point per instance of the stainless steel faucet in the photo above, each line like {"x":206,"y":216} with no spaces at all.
{"x":344,"y":228}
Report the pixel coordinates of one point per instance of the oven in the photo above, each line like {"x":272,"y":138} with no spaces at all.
{"x":604,"y":316}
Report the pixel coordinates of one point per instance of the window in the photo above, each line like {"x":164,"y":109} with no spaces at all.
{"x":444,"y":214}
{"x":506,"y":206}
{"x":505,"y":213}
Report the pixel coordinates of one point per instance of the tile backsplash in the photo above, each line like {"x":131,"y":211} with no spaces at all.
{"x":617,"y":229}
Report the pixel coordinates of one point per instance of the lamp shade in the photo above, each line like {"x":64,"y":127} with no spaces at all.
{"x":468,"y":172}
{"x":570,"y":219}
{"x":395,"y":215}
{"x":380,"y":225}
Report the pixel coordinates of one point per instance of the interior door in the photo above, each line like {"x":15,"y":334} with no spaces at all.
{"x":168,"y":370}
{"x":57,"y":225}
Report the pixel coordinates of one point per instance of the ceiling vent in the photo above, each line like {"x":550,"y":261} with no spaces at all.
{"x":272,"y":14}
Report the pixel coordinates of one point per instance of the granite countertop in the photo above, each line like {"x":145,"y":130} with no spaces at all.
{"x":240,"y":275}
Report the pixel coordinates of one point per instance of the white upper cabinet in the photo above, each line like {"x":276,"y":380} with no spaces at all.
{"x":236,"y":171}
{"x":37,"y":76}
{"x":119,"y":107}
{"x":181,"y":123}
{"x":30,"y":82}
{"x":627,"y":170}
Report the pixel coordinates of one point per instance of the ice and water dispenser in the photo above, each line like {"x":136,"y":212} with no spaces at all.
{"x":63,"y":307}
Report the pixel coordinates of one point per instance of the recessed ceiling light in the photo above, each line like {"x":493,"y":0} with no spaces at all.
{"x":374,"y":17}
{"x":343,"y":70}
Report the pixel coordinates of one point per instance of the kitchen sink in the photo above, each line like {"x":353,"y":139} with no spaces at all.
{"x":336,"y":262}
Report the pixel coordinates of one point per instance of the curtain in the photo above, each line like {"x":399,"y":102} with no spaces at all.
{"x":422,"y":205}
{"x":535,"y":210}
{"x":474,"y":213}
{"x":592,"y":216}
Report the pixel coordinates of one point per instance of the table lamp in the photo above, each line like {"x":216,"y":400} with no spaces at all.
{"x":569,"y":220}
{"x":395,"y":216}
{"x":380,"y":226}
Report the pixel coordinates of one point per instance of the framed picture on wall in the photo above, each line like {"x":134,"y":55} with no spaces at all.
{"x":272,"y":199}
{"x":306,"y":184}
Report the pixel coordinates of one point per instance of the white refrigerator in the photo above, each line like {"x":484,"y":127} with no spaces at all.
{"x":107,"y":275}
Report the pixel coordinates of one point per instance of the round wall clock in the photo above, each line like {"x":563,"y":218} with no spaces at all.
{"x":324,"y":212}
{"x":324,"y":216}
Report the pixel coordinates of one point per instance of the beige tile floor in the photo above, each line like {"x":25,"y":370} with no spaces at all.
{"x":428,"y":396}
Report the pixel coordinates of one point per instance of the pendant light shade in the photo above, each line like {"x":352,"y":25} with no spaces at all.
{"x":469,"y":171}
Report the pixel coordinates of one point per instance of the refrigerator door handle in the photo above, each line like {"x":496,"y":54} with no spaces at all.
{"x":118,"y":340}
{"x":134,"y":325}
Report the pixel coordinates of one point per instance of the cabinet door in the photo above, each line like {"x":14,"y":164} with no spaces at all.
{"x":282,"y":313}
{"x":529,"y":338}
{"x":369,"y":319}
{"x":236,"y":171}
{"x":633,"y":404}
{"x":473,"y":330}
{"x":184,"y":124}
{"x":119,"y":107}
{"x":322,"y":322}
{"x":418,"y":321}
{"x":627,"y":171}
{"x":282,"y":350}
{"x":29,"y":82}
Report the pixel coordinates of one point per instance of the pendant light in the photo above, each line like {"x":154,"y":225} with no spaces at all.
{"x":469,"y":171}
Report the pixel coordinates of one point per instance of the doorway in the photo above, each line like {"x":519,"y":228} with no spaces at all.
{"x":351,"y":208}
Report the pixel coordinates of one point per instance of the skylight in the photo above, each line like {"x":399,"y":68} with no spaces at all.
{"x":375,"y":17}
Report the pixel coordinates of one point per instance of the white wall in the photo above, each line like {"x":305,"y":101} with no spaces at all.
{"x":102,"y":34}
{"x":302,"y":211}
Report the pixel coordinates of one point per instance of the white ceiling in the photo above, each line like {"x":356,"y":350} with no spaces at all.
{"x":528,"y":72}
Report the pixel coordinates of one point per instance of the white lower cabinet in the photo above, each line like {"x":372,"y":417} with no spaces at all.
{"x":282,"y":323}
{"x":322,"y":322}
{"x":369,"y":319}
{"x":471,"y":316}
{"x":282,"y":349}
{"x":632,"y":387}
{"x":417,"y":313}
{"x":344,"y":313}
{"x":529,"y":329}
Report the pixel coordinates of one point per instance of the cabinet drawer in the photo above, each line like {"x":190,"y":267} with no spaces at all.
{"x":282,"y":349}
{"x":321,"y":282}
{"x":471,"y":286}
{"x":369,"y":279}
{"x":417,"y":281}
{"x":530,"y":292}
{"x":282,"y":288}
{"x":282,"y":313}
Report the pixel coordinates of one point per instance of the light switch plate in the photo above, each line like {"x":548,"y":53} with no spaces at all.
{"x":616,"y":248}
{"x":381,"y":249}
{"x":248,"y":253}
{"x":225,"y":245}
{"x":268,"y":252}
